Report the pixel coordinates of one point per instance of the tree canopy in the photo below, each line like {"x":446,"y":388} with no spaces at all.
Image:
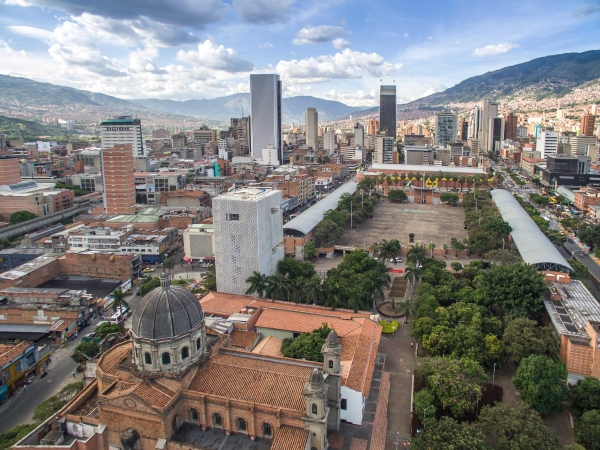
{"x":539,"y":379}
{"x":20,"y":216}
{"x":306,"y":345}
{"x":449,"y":197}
{"x":588,"y":233}
{"x":148,"y":285}
{"x":107,"y":328}
{"x":585,"y":396}
{"x":523,"y":338}
{"x":587,"y":430}
{"x":396,"y":195}
{"x":327,"y":231}
{"x":448,"y":434}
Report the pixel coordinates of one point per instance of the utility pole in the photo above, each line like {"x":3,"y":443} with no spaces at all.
{"x":351,"y":214}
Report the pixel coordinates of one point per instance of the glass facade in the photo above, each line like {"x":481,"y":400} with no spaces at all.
{"x":387,"y":110}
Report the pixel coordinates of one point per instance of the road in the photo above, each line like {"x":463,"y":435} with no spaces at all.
{"x":20,"y":410}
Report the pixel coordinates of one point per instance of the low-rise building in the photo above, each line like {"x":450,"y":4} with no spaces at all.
{"x":38,"y":198}
{"x":17,"y":363}
{"x":199,"y":242}
{"x":151,"y":247}
{"x":585,"y":198}
{"x":528,"y":165}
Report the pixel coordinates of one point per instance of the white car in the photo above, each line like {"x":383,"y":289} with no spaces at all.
{"x":396,"y":260}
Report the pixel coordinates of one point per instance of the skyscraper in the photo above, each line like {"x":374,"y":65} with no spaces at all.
{"x":265,"y":114}
{"x":463,"y":129}
{"x":117,"y":173}
{"x":122,"y":130}
{"x":547,"y":143}
{"x":373,"y":127}
{"x":510,"y":127}
{"x":446,"y":128}
{"x":495,"y":134}
{"x":475,"y":126}
{"x":359,"y":135}
{"x":587,"y":125}
{"x":312,"y":128}
{"x":489,"y":111}
{"x":387,"y":110}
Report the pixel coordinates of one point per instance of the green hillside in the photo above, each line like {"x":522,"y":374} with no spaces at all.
{"x":30,"y":131}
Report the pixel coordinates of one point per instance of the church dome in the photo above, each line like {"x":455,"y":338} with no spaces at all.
{"x":166,"y":312}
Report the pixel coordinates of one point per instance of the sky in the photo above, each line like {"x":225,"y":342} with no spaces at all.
{"x":334,"y":49}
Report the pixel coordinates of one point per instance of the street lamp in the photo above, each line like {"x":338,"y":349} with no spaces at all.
{"x":424,"y":412}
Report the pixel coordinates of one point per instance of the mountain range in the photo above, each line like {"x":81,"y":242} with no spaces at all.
{"x":569,"y":80}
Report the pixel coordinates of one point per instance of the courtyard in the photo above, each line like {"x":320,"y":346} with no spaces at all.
{"x":430,"y":223}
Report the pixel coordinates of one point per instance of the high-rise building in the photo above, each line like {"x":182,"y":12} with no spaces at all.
{"x":475,"y":125}
{"x":359,"y":135}
{"x":587,"y":125}
{"x":265,"y":114}
{"x":161,"y":133}
{"x":446,"y":128}
{"x":329,"y":141}
{"x":248,"y":226}
{"x":240,"y":131}
{"x":547,"y":143}
{"x":510,"y":127}
{"x":119,"y":185}
{"x":312,"y":128}
{"x":387,"y":110}
{"x":463,"y":129}
{"x":489,"y":111}
{"x":373,"y":127}
{"x":10,"y":171}
{"x":385,"y":148}
{"x":580,"y":144}
{"x":204,"y":134}
{"x":495,"y":134}
{"x":122,"y":130}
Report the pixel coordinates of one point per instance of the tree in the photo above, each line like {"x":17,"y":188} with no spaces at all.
{"x":413,"y":275}
{"x":517,"y":427}
{"x":148,"y":285}
{"x":397,"y":195}
{"x":335,"y":216}
{"x":168,"y":264}
{"x":388,"y":250}
{"x":585,"y":396}
{"x":416,"y":255}
{"x":118,"y":296}
{"x":424,"y":404}
{"x":294,"y":289}
{"x":498,"y":226}
{"x":431,"y":248}
{"x":345,"y":201}
{"x":292,"y":268}
{"x":448,"y":434}
{"x":587,"y":430}
{"x":406,"y":308}
{"x":276,"y":288}
{"x":313,"y":291}
{"x":310,"y":250}
{"x":456,"y":266}
{"x":306,"y":345}
{"x":541,"y":385}
{"x":327,"y":231}
{"x":515,"y":288}
{"x":502,"y":257}
{"x":588,"y":233}
{"x":107,"y":328}
{"x":85,"y":351}
{"x":449,"y":197}
{"x":457,"y":246}
{"x":20,"y":216}
{"x":523,"y":338}
{"x":54,"y":403}
{"x":258,"y":284}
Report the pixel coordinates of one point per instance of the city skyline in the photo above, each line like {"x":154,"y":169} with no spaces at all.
{"x":337,"y":51}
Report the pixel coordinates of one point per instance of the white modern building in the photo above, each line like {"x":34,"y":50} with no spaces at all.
{"x":580,"y":144}
{"x":329,"y":142}
{"x":359,"y":135}
{"x":265,"y":114}
{"x":547,"y":143}
{"x":199,"y":241}
{"x":312,"y":128}
{"x":122,"y":130}
{"x":248,"y":227}
{"x":270,"y":157}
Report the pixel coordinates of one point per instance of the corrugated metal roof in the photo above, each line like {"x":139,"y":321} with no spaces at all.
{"x":310,"y":218}
{"x":533,"y":245}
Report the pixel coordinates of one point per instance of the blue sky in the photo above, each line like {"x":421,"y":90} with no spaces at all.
{"x":337,"y":49}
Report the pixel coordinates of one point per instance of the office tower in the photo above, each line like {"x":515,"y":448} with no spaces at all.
{"x":547,"y":143}
{"x":10,"y":171}
{"x":475,"y":125}
{"x":495,"y":134}
{"x":117,"y":173}
{"x":489,"y":111}
{"x":385,"y":148}
{"x":329,"y":142}
{"x":265,"y":114}
{"x":446,"y":128}
{"x":463,"y":129}
{"x":387,"y":110}
{"x":580,"y":144}
{"x":204,"y":134}
{"x":373,"y":127}
{"x":312,"y":128}
{"x":359,"y":135}
{"x":587,"y":125}
{"x":475,"y":146}
{"x":510,"y":127}
{"x":161,"y":133}
{"x":248,"y":226}
{"x":240,"y":131}
{"x":122,"y":130}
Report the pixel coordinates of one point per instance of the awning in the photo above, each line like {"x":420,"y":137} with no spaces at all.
{"x":72,"y":332}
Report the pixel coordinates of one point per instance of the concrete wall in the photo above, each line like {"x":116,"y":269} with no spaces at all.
{"x":355,"y":404}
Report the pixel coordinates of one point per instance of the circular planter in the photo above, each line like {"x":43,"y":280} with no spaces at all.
{"x":387,"y":312}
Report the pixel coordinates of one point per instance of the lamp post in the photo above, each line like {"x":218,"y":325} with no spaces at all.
{"x":351,"y":214}
{"x":425,"y":412}
{"x":494,"y":375}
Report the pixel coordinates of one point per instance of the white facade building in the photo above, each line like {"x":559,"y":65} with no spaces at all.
{"x":489,"y":111}
{"x":248,"y":226}
{"x":312,"y":128}
{"x":547,"y":143}
{"x":270,"y":157}
{"x":329,"y":142}
{"x":580,"y":144}
{"x":199,"y":241}
{"x":265,"y":114}
{"x":122,"y":130}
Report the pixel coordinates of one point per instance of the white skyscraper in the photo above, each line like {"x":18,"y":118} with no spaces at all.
{"x":312,"y":128}
{"x":122,"y":130}
{"x":248,"y":226}
{"x":329,"y":141}
{"x":489,"y":111}
{"x":547,"y":143}
{"x":359,"y":135}
{"x":265,"y":114}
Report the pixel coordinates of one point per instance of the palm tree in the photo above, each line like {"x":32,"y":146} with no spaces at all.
{"x":295,"y":288}
{"x":470,"y":181}
{"x":416,"y":255}
{"x":462,"y":179}
{"x":337,"y":295}
{"x":277,"y":287}
{"x":376,"y":281}
{"x":418,"y":176}
{"x":258,"y":284}
{"x":457,"y":246}
{"x":168,"y":264}
{"x":359,"y":299}
{"x":381,"y":180}
{"x":431,"y":247}
{"x":413,"y":275}
{"x":445,"y":248}
{"x":388,"y":250}
{"x":403,"y":177}
{"x":313,"y":291}
{"x":118,"y":297}
{"x":395,"y":179}
{"x":407,"y":308}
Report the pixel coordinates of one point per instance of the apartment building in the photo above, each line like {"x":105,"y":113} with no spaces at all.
{"x":40,"y":199}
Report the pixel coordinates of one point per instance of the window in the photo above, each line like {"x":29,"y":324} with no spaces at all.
{"x":241,"y":424}
{"x":147,"y":358}
{"x":314,"y":408}
{"x":193,"y":415}
{"x":331,"y":364}
{"x":185,"y":353}
{"x":198,"y":344}
{"x":267,"y":430}
{"x":166,"y":358}
{"x":231,"y":217}
{"x":344,"y":404}
{"x":217,"y":420}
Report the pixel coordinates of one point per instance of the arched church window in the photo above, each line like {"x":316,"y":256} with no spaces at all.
{"x":147,"y":358}
{"x":166,"y":358}
{"x":185,"y":353}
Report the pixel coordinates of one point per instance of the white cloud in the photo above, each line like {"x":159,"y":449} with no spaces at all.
{"x":340,"y":43}
{"x":36,"y":33}
{"x":358,"y":98}
{"x":405,"y":34}
{"x":345,"y":64}
{"x":263,"y":11}
{"x":494,"y":49}
{"x":435,"y":87}
{"x":265,"y":45}
{"x":321,"y":33}
{"x":215,"y":57}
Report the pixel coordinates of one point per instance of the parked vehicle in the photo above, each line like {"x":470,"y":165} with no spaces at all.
{"x":396,"y":260}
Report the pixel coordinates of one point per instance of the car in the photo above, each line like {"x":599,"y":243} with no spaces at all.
{"x":91,"y":335}
{"x":570,"y":241}
{"x":396,"y":260}
{"x":148,"y":270}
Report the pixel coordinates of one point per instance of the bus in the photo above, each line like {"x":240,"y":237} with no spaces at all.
{"x":119,"y":316}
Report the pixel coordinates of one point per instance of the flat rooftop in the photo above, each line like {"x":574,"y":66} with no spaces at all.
{"x":570,"y":306}
{"x":96,"y":286}
{"x":247,"y":194}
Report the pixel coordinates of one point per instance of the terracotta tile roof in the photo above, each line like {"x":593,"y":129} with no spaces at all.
{"x":290,"y":438}
{"x":253,"y":380}
{"x":10,"y":352}
{"x":123,"y":385}
{"x":269,"y":346}
{"x":224,"y":304}
{"x":243,"y":339}
{"x":111,"y":359}
{"x":154,"y":394}
{"x":305,"y":322}
{"x":211,"y":332}
{"x":312,"y":309}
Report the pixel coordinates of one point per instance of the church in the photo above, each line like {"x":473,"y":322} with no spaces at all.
{"x":178,"y":384}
